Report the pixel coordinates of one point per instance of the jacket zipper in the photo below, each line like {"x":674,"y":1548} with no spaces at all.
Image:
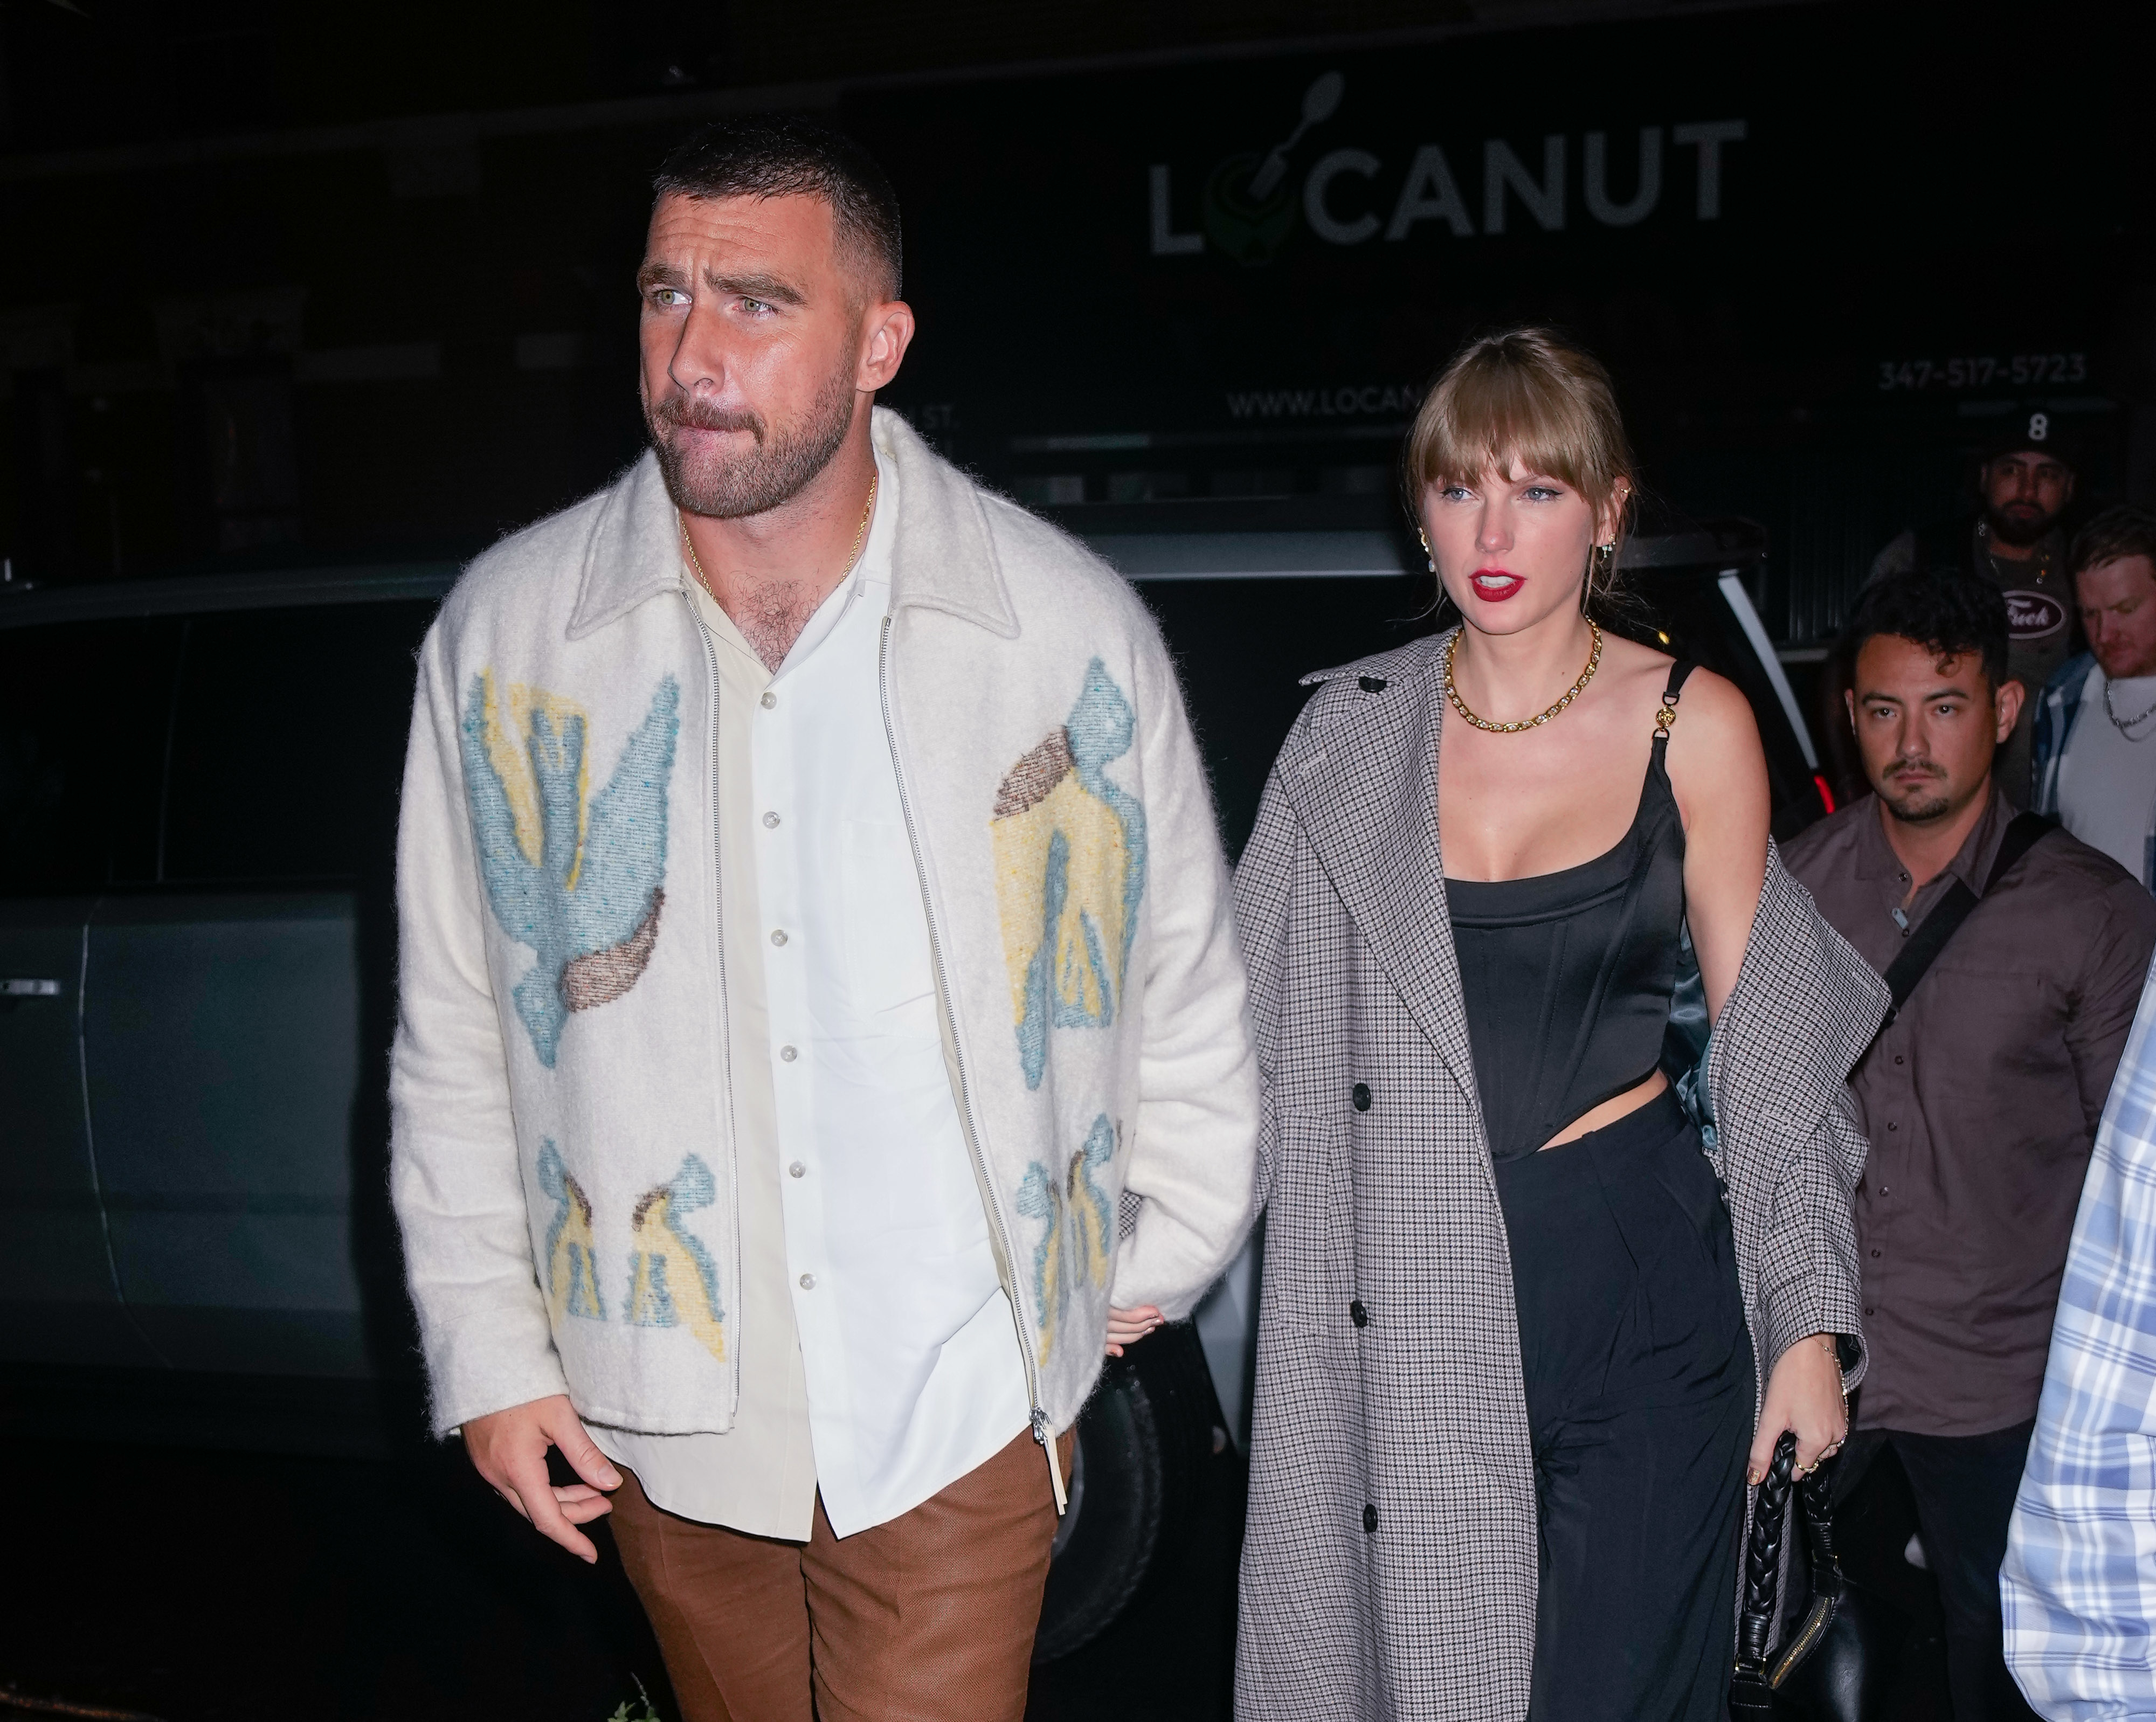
{"x":725,"y":1024}
{"x":1038,"y":1418}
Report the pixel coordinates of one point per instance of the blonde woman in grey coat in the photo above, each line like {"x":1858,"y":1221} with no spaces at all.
{"x":1526,"y":1336}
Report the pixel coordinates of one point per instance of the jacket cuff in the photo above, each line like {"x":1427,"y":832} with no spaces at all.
{"x":1146,"y":1273}
{"x":1819,"y":1303}
{"x":489,"y":1362}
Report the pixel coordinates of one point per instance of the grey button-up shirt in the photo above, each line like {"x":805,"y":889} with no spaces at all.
{"x":1981,"y":1100}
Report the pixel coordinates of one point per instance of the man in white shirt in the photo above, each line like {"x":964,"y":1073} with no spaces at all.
{"x":822,"y":1031}
{"x":2096,"y":719}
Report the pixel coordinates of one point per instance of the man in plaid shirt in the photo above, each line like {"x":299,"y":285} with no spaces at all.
{"x":2079,"y":1582}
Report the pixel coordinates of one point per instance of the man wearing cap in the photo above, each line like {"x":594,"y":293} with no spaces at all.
{"x":2017,"y":542}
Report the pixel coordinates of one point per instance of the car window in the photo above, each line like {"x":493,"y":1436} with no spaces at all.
{"x":1242,"y":648}
{"x":82,"y":735}
{"x":288,"y":743}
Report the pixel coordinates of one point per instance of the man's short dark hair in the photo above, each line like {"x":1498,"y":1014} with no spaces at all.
{"x":1945,"y":611}
{"x":759,"y":156}
{"x":2117,"y":532}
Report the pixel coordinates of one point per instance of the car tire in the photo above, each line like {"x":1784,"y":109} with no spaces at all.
{"x":1134,"y":1475}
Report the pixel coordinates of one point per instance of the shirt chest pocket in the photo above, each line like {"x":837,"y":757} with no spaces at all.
{"x":887,"y":962}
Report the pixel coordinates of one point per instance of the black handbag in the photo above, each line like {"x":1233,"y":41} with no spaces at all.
{"x":1835,"y":1664}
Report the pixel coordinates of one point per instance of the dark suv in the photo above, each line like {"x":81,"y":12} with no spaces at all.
{"x":197,"y":802}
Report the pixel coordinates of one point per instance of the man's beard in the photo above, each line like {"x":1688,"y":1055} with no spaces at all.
{"x":1910,"y":801}
{"x":2020,"y":529}
{"x":778,"y":469}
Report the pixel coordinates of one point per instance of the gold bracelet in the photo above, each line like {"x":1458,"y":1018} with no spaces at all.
{"x":1833,"y":1356}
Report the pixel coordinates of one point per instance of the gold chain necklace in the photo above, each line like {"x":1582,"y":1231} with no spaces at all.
{"x":1571,"y":694}
{"x":853,"y":555}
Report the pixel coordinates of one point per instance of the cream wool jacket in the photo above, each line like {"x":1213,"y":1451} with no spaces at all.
{"x":564,"y":1159}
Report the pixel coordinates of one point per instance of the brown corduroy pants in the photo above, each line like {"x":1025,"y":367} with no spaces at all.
{"x":927,"y":1618}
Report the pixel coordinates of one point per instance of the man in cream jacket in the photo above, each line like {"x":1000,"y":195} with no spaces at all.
{"x":822,"y":1032}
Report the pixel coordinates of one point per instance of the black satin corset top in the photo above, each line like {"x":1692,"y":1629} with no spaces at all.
{"x":1567,"y":976}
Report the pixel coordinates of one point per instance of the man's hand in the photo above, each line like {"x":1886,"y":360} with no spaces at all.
{"x":509,"y":1447}
{"x":1804,"y":1394}
{"x":1127,"y":1327}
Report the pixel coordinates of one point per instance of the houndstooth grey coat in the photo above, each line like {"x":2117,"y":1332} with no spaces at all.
{"x":1390,"y":1567}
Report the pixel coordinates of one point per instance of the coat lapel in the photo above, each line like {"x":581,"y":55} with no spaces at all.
{"x":1364,"y":785}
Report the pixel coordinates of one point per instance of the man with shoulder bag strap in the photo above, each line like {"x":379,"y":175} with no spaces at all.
{"x":2015,"y":954}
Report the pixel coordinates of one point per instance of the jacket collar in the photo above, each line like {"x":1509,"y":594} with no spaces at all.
{"x":1363,"y":782}
{"x":944,"y":558}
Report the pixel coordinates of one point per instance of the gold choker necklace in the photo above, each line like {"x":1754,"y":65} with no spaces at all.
{"x":853,"y":555}
{"x":1571,"y":694}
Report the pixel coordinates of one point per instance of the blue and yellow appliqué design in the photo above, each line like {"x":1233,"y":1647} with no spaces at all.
{"x":572,"y":1269}
{"x":672,"y":1279}
{"x":575,"y":876}
{"x":1078,"y":1241}
{"x":1071,"y":868}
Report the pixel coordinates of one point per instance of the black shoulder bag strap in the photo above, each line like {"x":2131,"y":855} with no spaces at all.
{"x":1945,"y":919}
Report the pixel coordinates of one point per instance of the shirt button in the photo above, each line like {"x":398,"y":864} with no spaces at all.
{"x":796,"y":1170}
{"x":1875,"y":1255}
{"x":1897,"y":1058}
{"x":779,"y":935}
{"x":808,"y":1281}
{"x":787,"y":1055}
{"x":771,"y":821}
{"x":1890,"y":1126}
{"x":1869,"y":1311}
{"x":771,"y":700}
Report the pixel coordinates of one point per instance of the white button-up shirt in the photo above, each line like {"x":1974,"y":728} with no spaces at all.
{"x":906,"y":1339}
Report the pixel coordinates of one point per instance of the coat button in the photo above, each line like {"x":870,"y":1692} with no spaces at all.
{"x":1371,"y":683}
{"x":1357,"y":1314}
{"x":1369,"y":1518}
{"x":1360,"y":1094}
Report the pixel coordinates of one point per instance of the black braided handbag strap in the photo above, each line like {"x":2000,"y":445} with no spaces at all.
{"x":1762,"y":1558}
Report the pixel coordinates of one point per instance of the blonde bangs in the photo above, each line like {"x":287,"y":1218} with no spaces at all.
{"x":1521,"y":401}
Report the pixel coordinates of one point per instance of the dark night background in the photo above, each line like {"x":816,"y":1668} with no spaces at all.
{"x":285,"y":287}
{"x":298,"y":285}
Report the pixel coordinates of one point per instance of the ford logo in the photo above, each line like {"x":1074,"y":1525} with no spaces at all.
{"x":2032,"y":615}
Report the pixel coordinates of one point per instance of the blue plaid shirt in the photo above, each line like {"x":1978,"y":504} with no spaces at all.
{"x":2079,"y":1584}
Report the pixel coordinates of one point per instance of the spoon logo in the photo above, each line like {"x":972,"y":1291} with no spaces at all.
{"x":1250,"y":204}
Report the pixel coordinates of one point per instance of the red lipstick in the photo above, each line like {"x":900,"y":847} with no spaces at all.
{"x":1494,"y":585}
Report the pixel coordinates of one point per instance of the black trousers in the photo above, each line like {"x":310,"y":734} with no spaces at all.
{"x":1640,"y":1392}
{"x":1964,"y":1487}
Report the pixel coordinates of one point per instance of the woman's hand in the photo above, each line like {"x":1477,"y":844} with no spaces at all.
{"x":1804,"y":1394}
{"x":1127,"y":1327}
